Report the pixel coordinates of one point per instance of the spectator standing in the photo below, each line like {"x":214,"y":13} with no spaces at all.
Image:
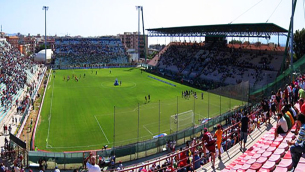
{"x":244,"y":130}
{"x":208,"y":143}
{"x":218,"y":136}
{"x":92,"y":167}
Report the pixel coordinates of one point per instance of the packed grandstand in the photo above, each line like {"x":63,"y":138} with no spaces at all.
{"x":213,"y":64}
{"x":85,"y":51}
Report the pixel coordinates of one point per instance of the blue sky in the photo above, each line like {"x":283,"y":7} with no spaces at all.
{"x":112,"y":17}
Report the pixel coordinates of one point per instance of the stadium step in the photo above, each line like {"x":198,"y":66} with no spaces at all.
{"x":234,"y":152}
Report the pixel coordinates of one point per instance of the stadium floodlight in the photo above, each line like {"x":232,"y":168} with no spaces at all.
{"x":45,"y":8}
{"x":139,"y":11}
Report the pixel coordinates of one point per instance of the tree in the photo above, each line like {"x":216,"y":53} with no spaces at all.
{"x":41,"y":47}
{"x":299,"y":43}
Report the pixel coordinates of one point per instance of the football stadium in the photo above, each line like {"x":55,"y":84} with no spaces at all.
{"x":216,"y":97}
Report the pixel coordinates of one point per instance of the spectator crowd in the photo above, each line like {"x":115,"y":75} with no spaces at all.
{"x":80,"y":51}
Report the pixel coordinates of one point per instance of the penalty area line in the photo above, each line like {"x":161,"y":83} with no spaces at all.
{"x":101,"y":129}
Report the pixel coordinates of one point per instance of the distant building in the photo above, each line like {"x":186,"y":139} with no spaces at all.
{"x":130,"y":41}
{"x":25,"y":49}
{"x":13,"y":40}
{"x":27,"y":44}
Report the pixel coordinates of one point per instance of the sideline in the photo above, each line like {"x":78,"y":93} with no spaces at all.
{"x":162,"y":81}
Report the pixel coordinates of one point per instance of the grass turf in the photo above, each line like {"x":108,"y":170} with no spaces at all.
{"x":80,"y":115}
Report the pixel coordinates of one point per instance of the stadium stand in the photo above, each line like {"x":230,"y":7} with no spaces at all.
{"x":216,"y":61}
{"x":17,"y":73}
{"x":85,"y":51}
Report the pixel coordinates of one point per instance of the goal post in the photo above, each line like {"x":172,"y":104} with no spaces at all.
{"x":181,"y":121}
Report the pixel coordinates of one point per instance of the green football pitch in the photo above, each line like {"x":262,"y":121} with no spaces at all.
{"x":85,"y":114}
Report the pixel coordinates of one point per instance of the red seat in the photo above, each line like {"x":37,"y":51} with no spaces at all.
{"x":245,"y":167}
{"x":271,"y":149}
{"x":267,"y":154}
{"x":275,"y":158}
{"x":300,"y":167}
{"x":236,"y":167}
{"x":275,"y":144}
{"x":251,"y":153}
{"x":287,"y":155}
{"x":286,"y":163}
{"x":283,"y":146}
{"x":256,"y":156}
{"x":279,"y":139}
{"x":280,"y":169}
{"x":269,"y":166}
{"x":250,"y":170}
{"x":268,"y":142}
{"x":265,"y":147}
{"x":261,"y":151}
{"x":250,"y":148}
{"x":261,"y":160}
{"x":256,"y":166}
{"x":269,"y":138}
{"x":243,"y":155}
{"x":247,"y":157}
{"x":279,"y":151}
{"x":225,"y":170}
{"x":242,"y":162}
{"x":251,"y":161}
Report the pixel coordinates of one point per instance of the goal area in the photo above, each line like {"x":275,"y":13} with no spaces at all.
{"x":181,"y":121}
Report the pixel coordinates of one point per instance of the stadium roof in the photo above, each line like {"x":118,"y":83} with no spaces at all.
{"x":228,"y":30}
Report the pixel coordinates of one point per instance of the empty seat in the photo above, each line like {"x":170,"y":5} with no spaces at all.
{"x":280,"y":169}
{"x":279,"y":139}
{"x":251,"y":153}
{"x":267,"y":154}
{"x":251,"y":161}
{"x":256,"y":166}
{"x":300,"y":167}
{"x":265,"y":147}
{"x":271,"y":149}
{"x":275,"y":158}
{"x":268,"y":143}
{"x":275,"y":144}
{"x":237,"y":167}
{"x":269,"y":166}
{"x":283,"y":146}
{"x":261,"y":160}
{"x":261,"y":151}
{"x":279,"y":151}
{"x":242,"y":162}
{"x":250,"y":170}
{"x":286,"y":163}
{"x":247,"y":157}
{"x":287,"y":155}
{"x":245,"y":167}
{"x":256,"y":156}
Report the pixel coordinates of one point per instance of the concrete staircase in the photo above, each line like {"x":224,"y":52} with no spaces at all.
{"x":234,"y":152}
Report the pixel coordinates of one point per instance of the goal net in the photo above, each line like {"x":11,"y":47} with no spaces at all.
{"x":181,"y":121}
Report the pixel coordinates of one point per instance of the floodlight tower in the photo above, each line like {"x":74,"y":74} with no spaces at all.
{"x":45,"y":8}
{"x":291,"y":36}
{"x":139,"y":11}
